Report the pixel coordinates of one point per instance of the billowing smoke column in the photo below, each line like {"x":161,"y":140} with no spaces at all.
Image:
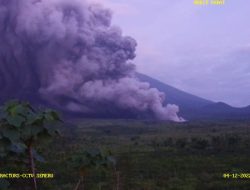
{"x":66,"y":53}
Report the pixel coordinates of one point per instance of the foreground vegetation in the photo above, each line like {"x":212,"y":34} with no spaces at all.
{"x":147,"y":155}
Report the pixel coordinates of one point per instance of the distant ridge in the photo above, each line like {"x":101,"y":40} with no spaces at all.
{"x":196,"y":108}
{"x":174,"y":95}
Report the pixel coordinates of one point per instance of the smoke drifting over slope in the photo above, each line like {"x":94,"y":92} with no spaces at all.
{"x":67,"y":53}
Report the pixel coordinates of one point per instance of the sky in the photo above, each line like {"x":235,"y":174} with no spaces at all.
{"x":203,"y":50}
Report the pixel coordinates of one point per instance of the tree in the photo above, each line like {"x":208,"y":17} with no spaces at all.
{"x":22,"y":128}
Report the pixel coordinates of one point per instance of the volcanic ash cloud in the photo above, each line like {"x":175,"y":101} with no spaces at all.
{"x":67,"y":53}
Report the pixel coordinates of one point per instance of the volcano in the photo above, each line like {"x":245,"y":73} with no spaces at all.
{"x":196,"y":108}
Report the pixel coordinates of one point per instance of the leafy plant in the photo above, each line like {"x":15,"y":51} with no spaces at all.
{"x":92,"y":159}
{"x":21,"y":128}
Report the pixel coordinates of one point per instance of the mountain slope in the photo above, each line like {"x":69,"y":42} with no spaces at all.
{"x":174,"y":95}
{"x":195,"y":108}
{"x":221,"y":110}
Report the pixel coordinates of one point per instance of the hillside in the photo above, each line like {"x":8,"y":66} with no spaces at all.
{"x":174,"y":95}
{"x":196,"y":108}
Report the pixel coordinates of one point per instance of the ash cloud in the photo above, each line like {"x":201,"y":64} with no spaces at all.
{"x":67,"y":53}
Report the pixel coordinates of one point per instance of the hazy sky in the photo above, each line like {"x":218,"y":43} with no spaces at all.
{"x":204,"y":50}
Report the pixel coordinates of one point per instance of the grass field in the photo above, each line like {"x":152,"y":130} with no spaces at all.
{"x":149,"y":155}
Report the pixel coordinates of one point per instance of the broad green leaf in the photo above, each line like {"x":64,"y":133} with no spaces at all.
{"x":51,"y":115}
{"x":12,"y":134}
{"x":31,"y":131}
{"x":10,"y":105}
{"x":55,"y":116}
{"x":35,"y":119}
{"x":16,"y":120}
{"x":21,"y":123}
{"x":52,"y":128}
{"x":19,"y":110}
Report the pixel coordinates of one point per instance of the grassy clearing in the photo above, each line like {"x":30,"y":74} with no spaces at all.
{"x":151,"y":155}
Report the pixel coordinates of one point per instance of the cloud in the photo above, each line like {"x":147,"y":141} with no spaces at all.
{"x":69,"y":55}
{"x":119,"y":8}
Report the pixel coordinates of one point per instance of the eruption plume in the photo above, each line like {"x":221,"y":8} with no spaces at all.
{"x":67,"y":53}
